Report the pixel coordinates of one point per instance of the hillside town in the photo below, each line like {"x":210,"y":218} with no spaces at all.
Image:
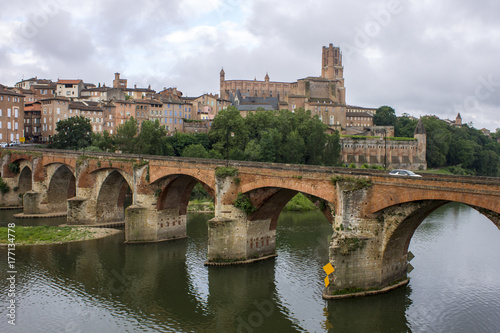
{"x":30,"y":110}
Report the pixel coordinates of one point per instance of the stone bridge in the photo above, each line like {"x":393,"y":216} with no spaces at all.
{"x":373,"y":215}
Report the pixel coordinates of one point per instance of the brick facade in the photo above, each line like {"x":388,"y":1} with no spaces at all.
{"x":11,"y":115}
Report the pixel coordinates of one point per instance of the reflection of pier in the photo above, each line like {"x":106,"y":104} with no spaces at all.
{"x":373,"y":215}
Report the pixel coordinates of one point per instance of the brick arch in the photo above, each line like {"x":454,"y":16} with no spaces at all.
{"x":111,"y":196}
{"x":203,"y":175}
{"x":322,"y":189}
{"x":22,"y":161}
{"x":176,"y":190}
{"x":400,"y":232}
{"x":25,"y":182}
{"x":270,"y":201}
{"x":61,"y":186}
{"x":381,"y":199}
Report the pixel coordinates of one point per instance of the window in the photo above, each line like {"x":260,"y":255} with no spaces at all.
{"x":8,"y":112}
{"x":0,"y":112}
{"x":16,"y":126}
{"x":8,"y":125}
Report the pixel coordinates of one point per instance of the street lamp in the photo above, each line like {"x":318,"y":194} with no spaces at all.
{"x":385,"y":148}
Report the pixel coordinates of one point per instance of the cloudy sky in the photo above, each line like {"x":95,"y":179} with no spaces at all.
{"x":418,"y":56}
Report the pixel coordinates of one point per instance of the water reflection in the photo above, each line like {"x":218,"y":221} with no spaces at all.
{"x":106,"y":286}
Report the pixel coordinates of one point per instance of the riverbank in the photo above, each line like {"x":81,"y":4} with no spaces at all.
{"x":45,"y":235}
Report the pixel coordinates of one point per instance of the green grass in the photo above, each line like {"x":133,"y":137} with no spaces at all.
{"x":300,"y":203}
{"x":201,"y":205}
{"x":438,"y":171}
{"x":43,"y":235}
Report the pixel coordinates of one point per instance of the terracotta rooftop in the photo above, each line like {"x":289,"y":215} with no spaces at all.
{"x":69,"y":81}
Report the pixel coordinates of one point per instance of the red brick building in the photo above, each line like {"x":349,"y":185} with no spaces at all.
{"x":11,"y":115}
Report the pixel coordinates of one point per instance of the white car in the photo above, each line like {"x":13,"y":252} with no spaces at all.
{"x":4,"y":144}
{"x":407,"y":173}
{"x":15,"y":143}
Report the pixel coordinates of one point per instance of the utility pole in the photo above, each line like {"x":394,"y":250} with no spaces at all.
{"x":385,"y":148}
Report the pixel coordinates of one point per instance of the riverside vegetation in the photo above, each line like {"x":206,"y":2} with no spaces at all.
{"x":50,"y":234}
{"x":285,"y":137}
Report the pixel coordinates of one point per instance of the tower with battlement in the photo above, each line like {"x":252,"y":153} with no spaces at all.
{"x":331,"y":65}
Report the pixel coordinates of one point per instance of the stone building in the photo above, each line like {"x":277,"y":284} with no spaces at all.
{"x":324,"y":96}
{"x":11,"y":115}
{"x":69,"y":88}
{"x":32,"y":121}
{"x":385,"y":151}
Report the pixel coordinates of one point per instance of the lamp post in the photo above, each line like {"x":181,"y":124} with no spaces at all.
{"x":385,"y":148}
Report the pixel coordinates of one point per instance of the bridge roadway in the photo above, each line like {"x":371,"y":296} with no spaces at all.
{"x":373,"y":215}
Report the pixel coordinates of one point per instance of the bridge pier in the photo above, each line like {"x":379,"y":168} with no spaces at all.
{"x":232,"y":236}
{"x":370,"y":251}
{"x":144,"y":224}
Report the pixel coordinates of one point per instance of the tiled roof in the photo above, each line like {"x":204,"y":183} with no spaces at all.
{"x":69,"y":81}
{"x":358,"y":114}
{"x":87,"y":106}
{"x":9,"y":92}
{"x":359,"y":108}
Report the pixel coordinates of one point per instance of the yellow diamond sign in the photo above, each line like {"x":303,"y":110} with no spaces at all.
{"x":328,"y":268}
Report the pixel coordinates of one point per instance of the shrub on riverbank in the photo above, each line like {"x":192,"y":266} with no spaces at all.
{"x":300,"y":203}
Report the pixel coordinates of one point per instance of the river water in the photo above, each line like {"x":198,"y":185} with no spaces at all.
{"x":107,"y":286}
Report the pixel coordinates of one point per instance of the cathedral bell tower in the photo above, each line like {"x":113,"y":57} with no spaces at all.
{"x":223,"y":84}
{"x":332,"y":68}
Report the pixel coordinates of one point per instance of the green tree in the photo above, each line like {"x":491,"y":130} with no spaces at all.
{"x":293,"y":149}
{"x":385,"y":116}
{"x":438,"y":141}
{"x":196,"y":150}
{"x":103,"y":141}
{"x":405,"y":126}
{"x":229,"y":131}
{"x":313,"y":132}
{"x":270,"y":143}
{"x":259,"y":121}
{"x":488,"y":163}
{"x":150,"y":138}
{"x":253,"y":151}
{"x":125,"y":136}
{"x":331,"y":154}
{"x":72,"y":133}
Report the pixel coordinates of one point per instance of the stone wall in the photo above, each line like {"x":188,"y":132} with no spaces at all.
{"x":383,"y":152}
